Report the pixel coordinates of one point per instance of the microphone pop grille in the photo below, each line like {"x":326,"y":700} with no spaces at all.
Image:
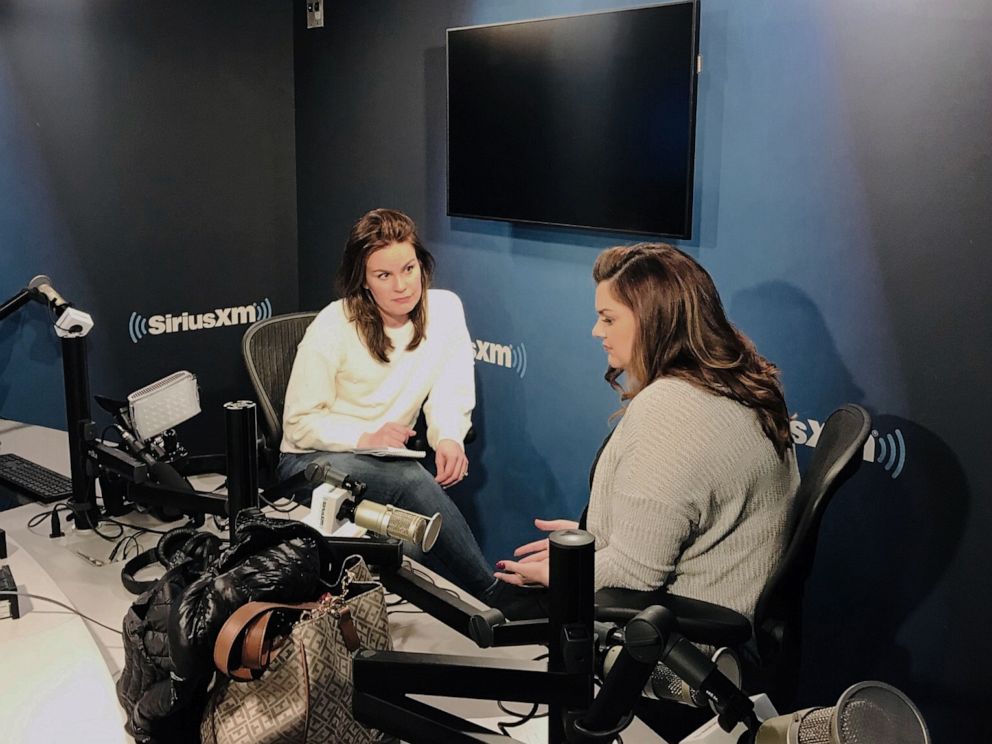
{"x":406,"y":525}
{"x":814,"y":726}
{"x":867,"y":713}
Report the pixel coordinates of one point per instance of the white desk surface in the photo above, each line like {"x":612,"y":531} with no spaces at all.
{"x":57,"y":670}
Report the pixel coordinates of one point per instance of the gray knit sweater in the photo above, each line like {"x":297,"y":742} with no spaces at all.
{"x":689,"y":494}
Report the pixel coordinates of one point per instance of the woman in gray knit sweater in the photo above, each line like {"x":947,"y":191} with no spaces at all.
{"x":693,"y":489}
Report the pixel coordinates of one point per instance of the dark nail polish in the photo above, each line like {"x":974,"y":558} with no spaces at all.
{"x":500,"y":565}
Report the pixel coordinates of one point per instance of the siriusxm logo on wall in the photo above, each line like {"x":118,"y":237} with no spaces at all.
{"x":502,"y":355}
{"x":887,"y":450}
{"x":139,"y":326}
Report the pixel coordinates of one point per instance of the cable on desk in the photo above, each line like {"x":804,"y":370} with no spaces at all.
{"x":272,"y":505}
{"x":390,"y":613}
{"x":139,"y":527}
{"x":522,"y":718}
{"x":62,"y":604}
{"x":400,"y":601}
{"x":53,"y":513}
{"x":429,"y":578}
{"x":397,"y":602}
{"x":109,"y":538}
{"x":41,"y":516}
{"x":122,"y":545}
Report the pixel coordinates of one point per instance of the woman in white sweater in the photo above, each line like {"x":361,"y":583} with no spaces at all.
{"x":366,"y":366}
{"x":693,"y":489}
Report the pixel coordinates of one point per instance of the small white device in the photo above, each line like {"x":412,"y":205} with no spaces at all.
{"x":325,"y":504}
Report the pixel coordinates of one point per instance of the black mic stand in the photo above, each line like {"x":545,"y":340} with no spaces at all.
{"x":78,"y":423}
{"x":90,"y":459}
{"x":80,"y":430}
{"x":385,"y":679}
{"x":650,"y":638}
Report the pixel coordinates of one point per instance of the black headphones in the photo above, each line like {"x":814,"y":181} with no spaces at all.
{"x":175,"y":547}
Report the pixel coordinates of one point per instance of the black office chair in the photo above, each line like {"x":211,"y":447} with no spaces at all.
{"x":269,"y":348}
{"x":778,"y":615}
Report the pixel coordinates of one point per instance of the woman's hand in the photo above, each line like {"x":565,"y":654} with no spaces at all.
{"x":520,"y":573}
{"x":538,"y":550}
{"x":390,"y":434}
{"x":451,"y":462}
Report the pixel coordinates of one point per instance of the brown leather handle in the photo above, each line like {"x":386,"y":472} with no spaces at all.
{"x":250,"y":623}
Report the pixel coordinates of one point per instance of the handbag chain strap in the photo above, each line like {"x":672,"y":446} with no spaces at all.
{"x":330,"y":603}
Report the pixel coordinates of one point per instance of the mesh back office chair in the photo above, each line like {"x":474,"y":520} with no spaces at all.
{"x":778,"y":615}
{"x":269,"y":348}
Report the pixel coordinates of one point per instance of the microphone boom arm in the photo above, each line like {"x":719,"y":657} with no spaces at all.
{"x":15,"y":303}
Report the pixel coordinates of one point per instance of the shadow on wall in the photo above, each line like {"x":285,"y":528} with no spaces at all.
{"x":42,"y":346}
{"x":885,"y":545}
{"x":788,"y":329}
{"x":889,"y":535}
{"x":9,"y":330}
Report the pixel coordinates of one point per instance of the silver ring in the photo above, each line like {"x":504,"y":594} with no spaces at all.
{"x":465,"y":474}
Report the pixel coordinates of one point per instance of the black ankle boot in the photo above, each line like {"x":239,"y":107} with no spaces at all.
{"x":518,"y":602}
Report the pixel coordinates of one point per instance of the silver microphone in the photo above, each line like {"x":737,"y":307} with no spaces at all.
{"x":866,"y":712}
{"x":42,"y":285}
{"x":664,"y":684}
{"x":391,"y":521}
{"x":381,"y":519}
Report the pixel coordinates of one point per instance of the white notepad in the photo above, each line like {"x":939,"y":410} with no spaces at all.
{"x":390,"y":452}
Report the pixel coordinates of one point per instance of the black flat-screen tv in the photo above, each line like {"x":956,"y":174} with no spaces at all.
{"x":584,"y":120}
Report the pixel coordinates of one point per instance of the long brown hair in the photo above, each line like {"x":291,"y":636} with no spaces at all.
{"x":683,"y":331}
{"x":377,"y":229}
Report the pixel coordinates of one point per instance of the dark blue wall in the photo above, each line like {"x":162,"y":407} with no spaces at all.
{"x":844,"y":160}
{"x":842,"y":179}
{"x":147,"y":165}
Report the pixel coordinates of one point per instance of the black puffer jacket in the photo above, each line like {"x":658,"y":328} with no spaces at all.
{"x":170,"y":662}
{"x":145,"y":687}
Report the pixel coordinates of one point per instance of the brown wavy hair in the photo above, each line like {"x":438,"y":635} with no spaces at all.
{"x":683,"y":332}
{"x":378,"y":229}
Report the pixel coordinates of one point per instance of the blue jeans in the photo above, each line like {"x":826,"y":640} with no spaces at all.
{"x":406,"y":484}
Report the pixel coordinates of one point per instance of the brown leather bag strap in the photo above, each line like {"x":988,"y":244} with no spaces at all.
{"x":347,"y":625}
{"x":246,"y":618}
{"x":256,"y":648}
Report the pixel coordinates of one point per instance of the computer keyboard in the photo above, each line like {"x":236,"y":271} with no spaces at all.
{"x":33,"y":480}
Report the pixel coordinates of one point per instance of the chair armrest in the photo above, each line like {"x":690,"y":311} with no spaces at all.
{"x":699,"y":621}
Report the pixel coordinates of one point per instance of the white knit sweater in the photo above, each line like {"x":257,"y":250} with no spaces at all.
{"x":337,"y":391}
{"x":689,"y":494}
